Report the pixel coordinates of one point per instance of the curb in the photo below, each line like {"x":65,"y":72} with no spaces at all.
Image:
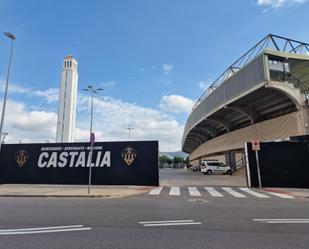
{"x":57,"y":196}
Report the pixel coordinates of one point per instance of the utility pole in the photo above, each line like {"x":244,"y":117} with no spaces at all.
{"x":12,"y":38}
{"x":93,"y":91}
{"x":130,"y":129}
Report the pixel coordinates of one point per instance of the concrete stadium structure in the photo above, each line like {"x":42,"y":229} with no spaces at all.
{"x":263,"y":95}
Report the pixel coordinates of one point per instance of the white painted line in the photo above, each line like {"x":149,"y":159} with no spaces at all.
{"x":156,"y":191}
{"x":288,"y":222}
{"x":283,"y":221}
{"x":213,"y":192}
{"x":164,"y":221}
{"x":233,"y":192}
{"x":264,"y":220}
{"x":254,"y":193}
{"x":281,"y":195}
{"x":47,"y":231}
{"x":174,"y":191}
{"x":193,"y":191}
{"x":40,"y":228}
{"x":172,"y":224}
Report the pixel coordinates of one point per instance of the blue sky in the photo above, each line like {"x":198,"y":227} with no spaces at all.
{"x":152,"y":58}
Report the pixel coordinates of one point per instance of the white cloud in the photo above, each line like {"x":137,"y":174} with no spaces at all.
{"x":279,"y":3}
{"x":27,"y":125}
{"x":50,"y":95}
{"x":176,"y":104}
{"x":112,"y":116}
{"x":109,"y":83}
{"x":167,"y":68}
{"x":25,"y":122}
{"x":204,"y":84}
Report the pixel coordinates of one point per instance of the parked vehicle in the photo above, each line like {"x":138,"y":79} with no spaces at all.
{"x":214,"y":167}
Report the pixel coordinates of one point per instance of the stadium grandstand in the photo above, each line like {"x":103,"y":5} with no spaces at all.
{"x":263,"y":95}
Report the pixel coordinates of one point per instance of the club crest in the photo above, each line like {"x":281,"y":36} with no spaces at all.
{"x":128,"y":155}
{"x":21,"y":157}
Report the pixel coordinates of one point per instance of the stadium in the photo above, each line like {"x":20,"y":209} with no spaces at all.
{"x":263,"y":95}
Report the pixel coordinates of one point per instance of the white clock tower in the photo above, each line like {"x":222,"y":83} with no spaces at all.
{"x":67,"y":101}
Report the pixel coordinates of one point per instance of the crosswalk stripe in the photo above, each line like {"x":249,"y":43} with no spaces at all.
{"x":281,"y":195}
{"x":213,"y":192}
{"x":254,"y":193}
{"x":156,"y":191}
{"x":233,"y":192}
{"x":174,"y":191}
{"x":193,"y":191}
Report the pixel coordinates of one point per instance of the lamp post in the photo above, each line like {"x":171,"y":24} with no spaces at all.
{"x":12,"y":38}
{"x":130,"y":129}
{"x":4,"y":135}
{"x":93,"y":91}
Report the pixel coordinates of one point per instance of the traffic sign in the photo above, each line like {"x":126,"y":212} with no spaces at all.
{"x":92,"y":138}
{"x":255,"y":144}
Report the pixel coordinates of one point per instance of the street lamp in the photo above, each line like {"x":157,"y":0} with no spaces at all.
{"x":130,"y":129}
{"x":12,"y":38}
{"x":93,"y":91}
{"x":4,"y":135}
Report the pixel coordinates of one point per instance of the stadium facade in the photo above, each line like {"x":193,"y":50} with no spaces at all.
{"x":263,"y":95}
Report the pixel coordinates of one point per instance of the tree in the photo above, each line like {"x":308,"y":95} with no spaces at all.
{"x":164,"y":159}
{"x":178,"y":159}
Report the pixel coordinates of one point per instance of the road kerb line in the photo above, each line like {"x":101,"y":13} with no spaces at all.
{"x":285,"y":196}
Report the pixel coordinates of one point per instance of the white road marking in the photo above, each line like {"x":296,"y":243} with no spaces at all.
{"x":213,"y":192}
{"x":54,"y":229}
{"x":283,"y":221}
{"x":168,"y":223}
{"x":233,"y":192}
{"x":174,"y":191}
{"x":164,"y":221}
{"x":156,"y":191}
{"x":193,"y":191}
{"x":47,"y":231}
{"x":254,"y":193}
{"x":40,"y":228}
{"x":281,"y":195}
{"x":172,"y":224}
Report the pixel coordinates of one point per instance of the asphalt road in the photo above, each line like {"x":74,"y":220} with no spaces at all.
{"x":225,"y":222}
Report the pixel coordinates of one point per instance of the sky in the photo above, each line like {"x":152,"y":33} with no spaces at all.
{"x":153,"y":58}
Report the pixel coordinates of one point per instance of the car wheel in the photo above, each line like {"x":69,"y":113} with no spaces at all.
{"x":209,"y":172}
{"x":228,"y":172}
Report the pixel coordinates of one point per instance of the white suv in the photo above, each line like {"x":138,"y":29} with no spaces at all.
{"x":210,"y":167}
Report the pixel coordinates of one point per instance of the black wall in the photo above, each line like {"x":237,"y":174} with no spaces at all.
{"x":142,"y":171}
{"x":282,"y":164}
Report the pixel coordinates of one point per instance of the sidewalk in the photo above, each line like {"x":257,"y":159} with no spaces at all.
{"x":77,"y":191}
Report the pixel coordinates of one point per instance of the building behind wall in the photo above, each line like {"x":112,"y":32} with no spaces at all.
{"x":67,"y":101}
{"x":264,"y":95}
